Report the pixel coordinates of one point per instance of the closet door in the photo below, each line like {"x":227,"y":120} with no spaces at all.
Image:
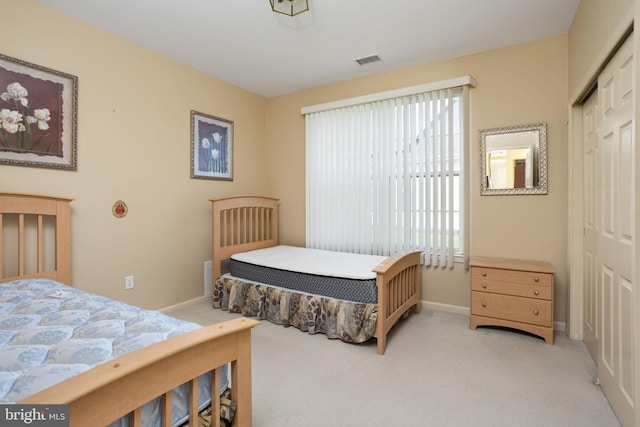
{"x":591,"y":224}
{"x":616,"y":236}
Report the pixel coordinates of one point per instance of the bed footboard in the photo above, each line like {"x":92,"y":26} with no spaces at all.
{"x":123,"y":385}
{"x":399,"y":288}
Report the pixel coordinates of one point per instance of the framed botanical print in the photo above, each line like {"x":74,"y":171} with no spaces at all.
{"x":38,"y":115}
{"x":211,"y":147}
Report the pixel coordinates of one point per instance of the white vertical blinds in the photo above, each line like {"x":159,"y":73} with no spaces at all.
{"x":385,"y":176}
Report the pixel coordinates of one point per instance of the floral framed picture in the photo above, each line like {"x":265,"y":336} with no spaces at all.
{"x":211,"y":147}
{"x":38,"y":115}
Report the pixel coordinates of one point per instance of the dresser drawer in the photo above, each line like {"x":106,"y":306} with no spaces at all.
{"x":516,"y":289}
{"x":517,"y":309}
{"x":503,"y":275}
{"x":512,"y":293}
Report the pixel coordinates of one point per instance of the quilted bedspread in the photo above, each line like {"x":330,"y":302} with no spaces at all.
{"x":50,"y":332}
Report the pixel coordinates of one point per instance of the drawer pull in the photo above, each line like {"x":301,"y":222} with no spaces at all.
{"x":535,"y":279}
{"x":484,"y":304}
{"x":484,"y":274}
{"x":484,"y":286}
{"x":536,"y":312}
{"x":535,"y":292}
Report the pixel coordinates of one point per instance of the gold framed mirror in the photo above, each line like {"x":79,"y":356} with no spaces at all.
{"x":513,"y":160}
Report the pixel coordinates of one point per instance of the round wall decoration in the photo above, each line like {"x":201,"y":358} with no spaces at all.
{"x":120,"y":209}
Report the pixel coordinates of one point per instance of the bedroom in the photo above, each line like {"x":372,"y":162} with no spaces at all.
{"x":124,"y":154}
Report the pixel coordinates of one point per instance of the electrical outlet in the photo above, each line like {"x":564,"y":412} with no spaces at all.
{"x":128,"y":282}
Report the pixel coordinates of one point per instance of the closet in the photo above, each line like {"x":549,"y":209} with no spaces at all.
{"x":609,"y":264}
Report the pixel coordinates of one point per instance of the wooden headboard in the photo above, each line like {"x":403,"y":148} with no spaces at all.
{"x":29,"y":220}
{"x":242,"y":223}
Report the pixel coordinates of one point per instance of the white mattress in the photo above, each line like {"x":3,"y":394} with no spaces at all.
{"x":314,"y":261}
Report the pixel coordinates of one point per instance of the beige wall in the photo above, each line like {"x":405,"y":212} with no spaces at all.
{"x":594,"y":28}
{"x":134,"y":144}
{"x":517,"y":85}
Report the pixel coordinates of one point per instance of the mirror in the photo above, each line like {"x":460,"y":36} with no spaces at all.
{"x":513,"y":160}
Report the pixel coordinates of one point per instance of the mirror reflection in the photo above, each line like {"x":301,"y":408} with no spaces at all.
{"x":513,"y":160}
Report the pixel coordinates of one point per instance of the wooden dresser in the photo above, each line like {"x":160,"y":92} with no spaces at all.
{"x":512,"y":293}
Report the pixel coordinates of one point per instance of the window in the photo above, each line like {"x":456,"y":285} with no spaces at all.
{"x":387,"y":175}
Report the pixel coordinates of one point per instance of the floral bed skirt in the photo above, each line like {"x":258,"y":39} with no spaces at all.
{"x":345,"y":320}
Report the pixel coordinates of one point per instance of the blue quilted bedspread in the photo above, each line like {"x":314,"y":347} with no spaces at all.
{"x":50,"y":332}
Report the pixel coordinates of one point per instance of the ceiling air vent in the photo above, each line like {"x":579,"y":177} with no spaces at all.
{"x":368,"y":59}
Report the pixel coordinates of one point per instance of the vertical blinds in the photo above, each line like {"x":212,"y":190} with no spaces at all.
{"x":385,"y":176}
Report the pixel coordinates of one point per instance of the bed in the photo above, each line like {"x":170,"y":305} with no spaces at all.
{"x":249,"y":224}
{"x":160,"y":366}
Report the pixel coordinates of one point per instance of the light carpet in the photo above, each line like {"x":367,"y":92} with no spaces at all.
{"x":435,"y":372}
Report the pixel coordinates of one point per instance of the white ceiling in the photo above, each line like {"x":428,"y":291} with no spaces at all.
{"x":244,"y":43}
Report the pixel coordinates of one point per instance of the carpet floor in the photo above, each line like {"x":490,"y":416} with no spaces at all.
{"x":435,"y":372}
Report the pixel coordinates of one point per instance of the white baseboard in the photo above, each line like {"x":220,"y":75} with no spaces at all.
{"x":456,"y":309}
{"x":560,"y":326}
{"x":182,"y":304}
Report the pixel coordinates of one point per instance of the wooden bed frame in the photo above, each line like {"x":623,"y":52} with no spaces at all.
{"x":245,"y":223}
{"x":121,"y":386}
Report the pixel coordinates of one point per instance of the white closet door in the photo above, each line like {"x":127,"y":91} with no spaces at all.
{"x":591,"y":224}
{"x":616,"y":245}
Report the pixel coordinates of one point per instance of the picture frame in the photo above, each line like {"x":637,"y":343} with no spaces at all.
{"x":211,"y":147}
{"x":38,"y":115}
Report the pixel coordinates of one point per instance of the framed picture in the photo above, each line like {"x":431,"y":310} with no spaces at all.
{"x":38,"y":115}
{"x":211,"y":147}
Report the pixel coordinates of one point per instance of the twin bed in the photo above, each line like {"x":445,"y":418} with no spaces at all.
{"x":116,"y":364}
{"x":346,"y":296}
{"x":109,"y":361}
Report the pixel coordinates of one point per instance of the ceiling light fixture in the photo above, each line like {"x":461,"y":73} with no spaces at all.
{"x":289,"y":7}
